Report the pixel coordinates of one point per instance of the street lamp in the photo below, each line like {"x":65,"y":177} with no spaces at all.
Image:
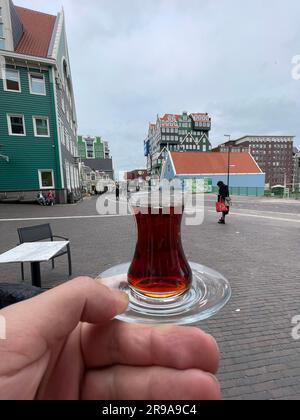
{"x":229,"y":151}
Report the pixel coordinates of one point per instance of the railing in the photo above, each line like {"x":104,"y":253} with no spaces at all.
{"x":244,"y":191}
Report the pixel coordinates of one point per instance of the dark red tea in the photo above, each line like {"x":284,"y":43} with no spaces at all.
{"x":159,"y":268}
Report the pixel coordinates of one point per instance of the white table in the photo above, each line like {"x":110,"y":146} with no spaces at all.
{"x":34,"y":253}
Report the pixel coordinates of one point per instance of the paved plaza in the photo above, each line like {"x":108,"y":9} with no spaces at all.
{"x":258,"y":251}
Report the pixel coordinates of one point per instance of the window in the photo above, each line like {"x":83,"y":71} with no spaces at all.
{"x":37,"y":84}
{"x":67,"y":166}
{"x":90,"y":148}
{"x":41,"y":126}
{"x":46,"y":179}
{"x":12,"y":81}
{"x":16,"y":125}
{"x":72,"y":176}
{"x":2,"y":40}
{"x":61,"y":131}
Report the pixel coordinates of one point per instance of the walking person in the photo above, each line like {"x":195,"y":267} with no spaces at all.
{"x":224,"y":198}
{"x":117,"y":191}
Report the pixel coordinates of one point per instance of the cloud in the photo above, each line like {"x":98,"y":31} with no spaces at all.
{"x":133,"y":59}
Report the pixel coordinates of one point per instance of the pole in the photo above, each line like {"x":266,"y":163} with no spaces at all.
{"x":229,"y":151}
{"x":228,"y":176}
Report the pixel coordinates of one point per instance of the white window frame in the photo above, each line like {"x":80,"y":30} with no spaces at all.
{"x":67,"y":167}
{"x":9,"y":116}
{"x":41,"y":117}
{"x":40,"y":179}
{"x":72,"y":177}
{"x":30,"y":84}
{"x":2,"y":37}
{"x":5,"y":82}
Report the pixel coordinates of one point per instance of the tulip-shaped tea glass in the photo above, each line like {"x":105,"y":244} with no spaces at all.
{"x":163,"y":287}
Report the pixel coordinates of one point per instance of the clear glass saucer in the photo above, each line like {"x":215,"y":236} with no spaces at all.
{"x":208,"y":294}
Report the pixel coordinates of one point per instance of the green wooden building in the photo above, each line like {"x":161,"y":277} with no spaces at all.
{"x":176,"y":132}
{"x":91,"y":147}
{"x":38,"y":124}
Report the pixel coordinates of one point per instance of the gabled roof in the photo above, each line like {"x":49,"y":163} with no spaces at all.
{"x":197,"y":114}
{"x":191,"y":163}
{"x":38,"y":29}
{"x":169,"y":117}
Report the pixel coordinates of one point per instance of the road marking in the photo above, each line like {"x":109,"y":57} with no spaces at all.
{"x":269,"y":211}
{"x":280,"y":219}
{"x":28,"y":219}
{"x":188,"y":212}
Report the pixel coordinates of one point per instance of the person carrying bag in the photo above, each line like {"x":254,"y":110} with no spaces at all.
{"x":224,"y":202}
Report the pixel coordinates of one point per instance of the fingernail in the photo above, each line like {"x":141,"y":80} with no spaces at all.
{"x":215,"y":379}
{"x":122,"y":301}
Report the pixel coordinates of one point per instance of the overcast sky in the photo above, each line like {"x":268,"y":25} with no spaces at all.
{"x":134,"y":59}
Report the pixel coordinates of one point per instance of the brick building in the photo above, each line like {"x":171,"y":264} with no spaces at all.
{"x":137,"y":174}
{"x":273,"y":154}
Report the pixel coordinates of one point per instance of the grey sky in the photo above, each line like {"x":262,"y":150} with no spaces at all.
{"x":133,"y":59}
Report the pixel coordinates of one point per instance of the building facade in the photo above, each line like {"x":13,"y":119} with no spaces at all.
{"x":137,"y":174}
{"x":103,"y":166}
{"x":94,"y":156}
{"x":172,"y":132}
{"x":38,"y":123}
{"x":274,"y":155}
{"x":95,"y":181}
{"x":90,"y":147}
{"x":245,"y":176}
{"x":296,"y":170}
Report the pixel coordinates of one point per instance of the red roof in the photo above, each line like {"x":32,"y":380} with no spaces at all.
{"x":199,"y":114}
{"x":189,"y":163}
{"x":167,"y":117}
{"x":38,"y":29}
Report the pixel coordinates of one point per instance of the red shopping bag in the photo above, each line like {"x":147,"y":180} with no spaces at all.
{"x":221,"y":207}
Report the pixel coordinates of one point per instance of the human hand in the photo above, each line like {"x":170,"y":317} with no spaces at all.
{"x":64,"y":344}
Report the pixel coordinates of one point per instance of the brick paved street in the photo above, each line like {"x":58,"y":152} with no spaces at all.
{"x":258,"y":251}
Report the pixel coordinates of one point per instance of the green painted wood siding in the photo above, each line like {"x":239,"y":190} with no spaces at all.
{"x":28,"y":154}
{"x":99,"y":148}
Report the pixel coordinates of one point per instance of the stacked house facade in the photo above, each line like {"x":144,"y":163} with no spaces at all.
{"x":38,"y":123}
{"x":173,"y":132}
{"x":95,"y":158}
{"x":93,"y":147}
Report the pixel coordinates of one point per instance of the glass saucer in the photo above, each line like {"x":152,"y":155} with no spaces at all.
{"x":208,"y":294}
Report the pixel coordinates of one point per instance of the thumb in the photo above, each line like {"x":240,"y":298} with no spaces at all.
{"x":56,"y":313}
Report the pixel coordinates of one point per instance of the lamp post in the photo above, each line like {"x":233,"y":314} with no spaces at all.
{"x":229,"y":151}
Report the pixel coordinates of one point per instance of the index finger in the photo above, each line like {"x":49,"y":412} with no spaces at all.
{"x":170,"y":346}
